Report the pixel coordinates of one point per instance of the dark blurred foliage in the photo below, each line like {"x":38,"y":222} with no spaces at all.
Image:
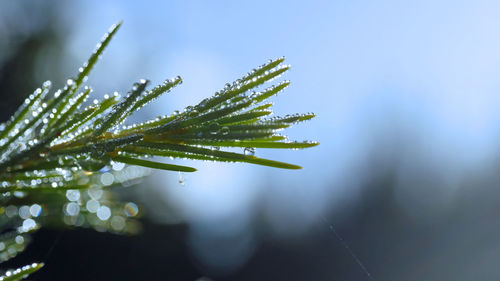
{"x":389,"y":242}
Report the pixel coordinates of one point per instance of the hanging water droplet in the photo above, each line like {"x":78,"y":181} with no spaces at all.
{"x":131,"y":209}
{"x":103,"y":213}
{"x":98,"y":122}
{"x":193,"y":113}
{"x":89,"y":164}
{"x":61,"y":161}
{"x":224,"y":130}
{"x":96,"y":152}
{"x":213,"y":128}
{"x":182,"y":180}
{"x":249,"y":151}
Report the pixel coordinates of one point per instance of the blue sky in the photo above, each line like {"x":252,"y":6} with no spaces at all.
{"x":379,"y":75}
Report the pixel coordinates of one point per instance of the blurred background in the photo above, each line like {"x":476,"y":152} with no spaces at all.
{"x":404,"y":186}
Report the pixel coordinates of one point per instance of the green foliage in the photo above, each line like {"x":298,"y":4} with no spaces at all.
{"x":61,"y":152}
{"x":20,"y":273}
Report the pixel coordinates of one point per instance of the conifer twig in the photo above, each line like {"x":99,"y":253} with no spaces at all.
{"x":57,"y":153}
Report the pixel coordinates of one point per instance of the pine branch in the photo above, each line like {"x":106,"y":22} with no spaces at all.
{"x":21,"y":273}
{"x":55,"y":148}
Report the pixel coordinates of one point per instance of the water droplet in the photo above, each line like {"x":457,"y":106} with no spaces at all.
{"x":131,"y":209}
{"x":103,"y":213}
{"x":213,"y":128}
{"x":89,"y":164}
{"x":73,"y":195}
{"x":117,"y":166}
{"x":117,"y":223}
{"x":224,"y":130}
{"x":182,"y":180}
{"x":96,"y":152}
{"x":92,"y":205}
{"x":72,"y":209}
{"x":35,"y":210}
{"x":107,"y":179}
{"x":61,"y":161}
{"x":19,"y":239}
{"x":24,"y":212}
{"x":249,"y":151}
{"x":98,"y":122}
{"x":95,"y":192}
{"x":193,"y":113}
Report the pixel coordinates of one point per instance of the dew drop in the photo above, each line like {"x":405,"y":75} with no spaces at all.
{"x":95,"y":192}
{"x":107,"y":179}
{"x":103,"y":213}
{"x":19,"y":239}
{"x":224,"y":130}
{"x":193,"y":113}
{"x":131,"y":209}
{"x":24,"y":212}
{"x":72,"y":209}
{"x":213,"y":128}
{"x":117,"y":223}
{"x":92,"y":205}
{"x":249,"y":151}
{"x":73,"y":195}
{"x":98,"y":122}
{"x":35,"y":210}
{"x":182,"y":180}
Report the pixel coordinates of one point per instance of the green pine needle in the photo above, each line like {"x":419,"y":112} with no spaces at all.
{"x":151,"y":164}
{"x":21,"y":273}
